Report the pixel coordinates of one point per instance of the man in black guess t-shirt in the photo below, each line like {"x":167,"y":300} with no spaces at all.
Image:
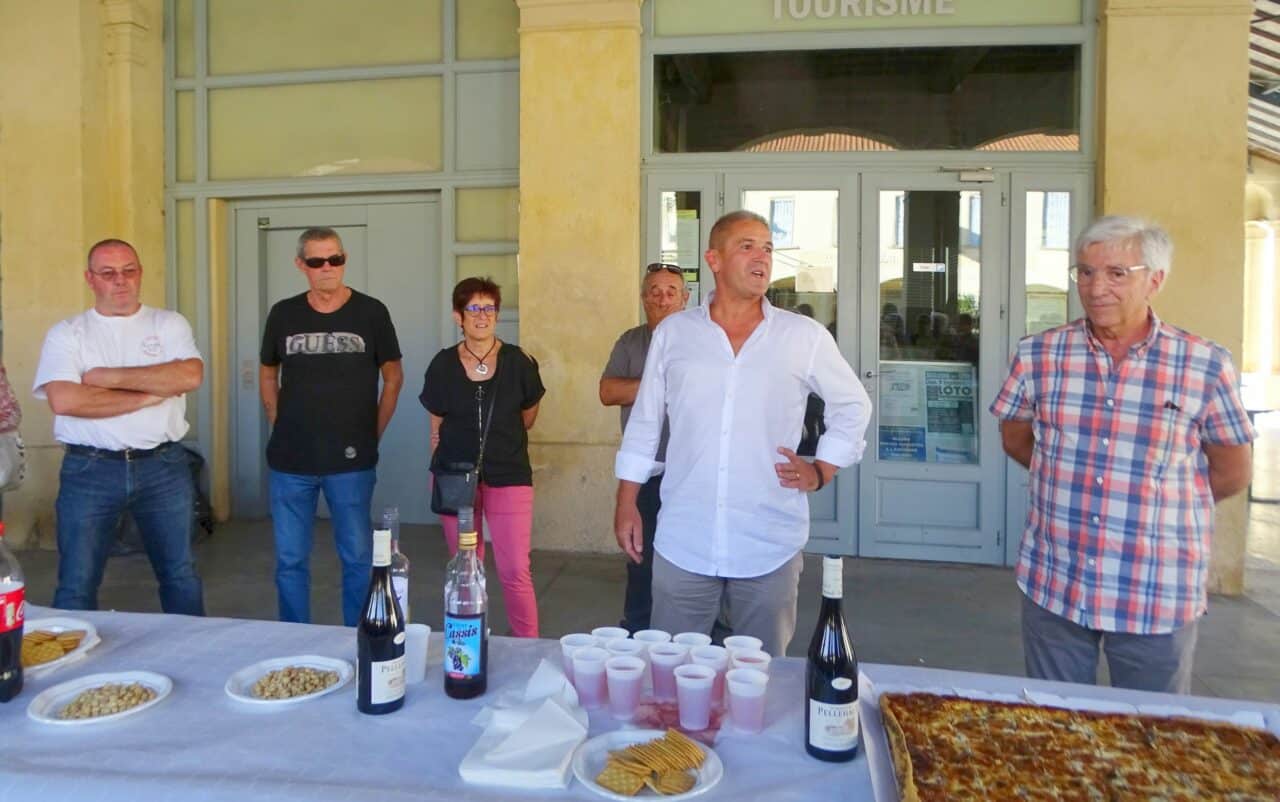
{"x":322,"y":354}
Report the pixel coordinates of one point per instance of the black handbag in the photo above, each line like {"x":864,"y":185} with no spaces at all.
{"x":454,"y":484}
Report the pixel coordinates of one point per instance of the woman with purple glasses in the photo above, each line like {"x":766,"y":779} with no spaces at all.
{"x":485,"y":386}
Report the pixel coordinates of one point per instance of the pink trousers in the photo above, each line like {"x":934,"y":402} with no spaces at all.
{"x":509,"y":513}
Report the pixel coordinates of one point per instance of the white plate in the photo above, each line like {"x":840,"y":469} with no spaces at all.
{"x":590,"y":758}
{"x":240,"y":684}
{"x":45,"y":706}
{"x":57,"y":625}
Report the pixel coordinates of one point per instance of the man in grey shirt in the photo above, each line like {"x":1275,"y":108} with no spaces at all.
{"x":662,"y":292}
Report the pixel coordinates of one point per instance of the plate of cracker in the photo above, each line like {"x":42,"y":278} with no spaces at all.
{"x":99,"y":697}
{"x":631,"y":764}
{"x":289,"y":680}
{"x":50,"y":643}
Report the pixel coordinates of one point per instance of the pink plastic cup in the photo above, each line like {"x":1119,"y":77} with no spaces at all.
{"x":747,"y":688}
{"x":717,"y":659}
{"x":743,"y":643}
{"x":754,"y":659}
{"x":625,"y":675}
{"x":693,"y":695}
{"x":606,"y":634}
{"x":625,"y":647}
{"x":568,"y":645}
{"x":589,"y":675}
{"x":692,"y":639}
{"x":664,"y":658}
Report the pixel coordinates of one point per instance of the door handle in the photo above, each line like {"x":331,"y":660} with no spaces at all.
{"x":871,"y":374}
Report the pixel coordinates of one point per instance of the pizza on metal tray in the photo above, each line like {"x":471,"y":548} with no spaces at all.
{"x":951,"y":748}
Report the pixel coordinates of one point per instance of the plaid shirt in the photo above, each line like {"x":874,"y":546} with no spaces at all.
{"x":1121,"y":512}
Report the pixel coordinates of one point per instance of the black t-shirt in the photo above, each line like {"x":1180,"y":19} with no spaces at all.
{"x":447,"y":392}
{"x":327,"y":416}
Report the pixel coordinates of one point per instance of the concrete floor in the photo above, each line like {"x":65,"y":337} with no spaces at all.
{"x":948,"y":616}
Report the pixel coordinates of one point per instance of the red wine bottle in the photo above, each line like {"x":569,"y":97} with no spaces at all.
{"x":831,"y":730}
{"x":380,"y":661}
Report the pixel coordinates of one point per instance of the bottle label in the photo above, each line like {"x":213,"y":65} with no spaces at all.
{"x":12,"y":608}
{"x":463,"y":638}
{"x":833,"y":727}
{"x":400,"y":587}
{"x":386,"y":680}
{"x":832,"y":577}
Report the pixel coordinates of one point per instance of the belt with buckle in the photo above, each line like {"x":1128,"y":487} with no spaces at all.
{"x":124,"y":454}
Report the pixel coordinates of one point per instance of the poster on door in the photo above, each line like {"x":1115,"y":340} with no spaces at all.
{"x":927,"y":412}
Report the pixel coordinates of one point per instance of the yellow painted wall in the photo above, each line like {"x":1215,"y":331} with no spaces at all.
{"x":81,"y":158}
{"x":1173,"y":145}
{"x":579,"y":240}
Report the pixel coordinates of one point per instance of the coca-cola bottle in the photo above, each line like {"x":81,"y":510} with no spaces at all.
{"x":12,"y":591}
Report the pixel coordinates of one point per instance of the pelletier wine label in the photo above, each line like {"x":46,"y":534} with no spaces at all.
{"x":831,"y":678}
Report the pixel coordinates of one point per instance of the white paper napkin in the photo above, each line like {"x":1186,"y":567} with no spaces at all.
{"x":528,"y":744}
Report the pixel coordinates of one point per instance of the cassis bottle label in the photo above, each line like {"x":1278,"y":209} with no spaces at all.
{"x":462,"y":645}
{"x":833,"y":727}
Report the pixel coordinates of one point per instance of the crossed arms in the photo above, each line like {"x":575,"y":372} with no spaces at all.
{"x":108,"y":392}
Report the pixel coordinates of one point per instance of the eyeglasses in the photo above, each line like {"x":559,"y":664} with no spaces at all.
{"x":111,"y":274}
{"x":1113,"y":274}
{"x":316,"y":262}
{"x":476,"y":310}
{"x":670,"y":268}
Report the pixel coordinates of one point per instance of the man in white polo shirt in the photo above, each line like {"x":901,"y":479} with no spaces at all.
{"x":116,"y":377}
{"x":733,"y":378}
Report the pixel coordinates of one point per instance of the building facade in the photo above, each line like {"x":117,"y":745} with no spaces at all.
{"x":923,"y":164}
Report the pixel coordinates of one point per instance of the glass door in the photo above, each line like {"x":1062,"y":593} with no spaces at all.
{"x":680,"y":209}
{"x":813,"y":222}
{"x":932,"y":328}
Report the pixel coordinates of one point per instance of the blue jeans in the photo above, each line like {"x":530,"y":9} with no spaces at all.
{"x":293,"y":512}
{"x":94,"y":492}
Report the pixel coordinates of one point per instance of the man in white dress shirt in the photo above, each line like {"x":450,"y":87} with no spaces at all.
{"x":733,"y":376}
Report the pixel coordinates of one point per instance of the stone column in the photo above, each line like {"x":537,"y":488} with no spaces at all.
{"x":579,"y":247}
{"x":81,"y":158}
{"x":1173,"y":148}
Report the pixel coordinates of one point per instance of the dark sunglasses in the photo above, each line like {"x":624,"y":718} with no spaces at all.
{"x":670,"y":268}
{"x":315,"y":262}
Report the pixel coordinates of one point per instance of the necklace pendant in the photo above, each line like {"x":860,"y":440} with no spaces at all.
{"x":482,"y":369}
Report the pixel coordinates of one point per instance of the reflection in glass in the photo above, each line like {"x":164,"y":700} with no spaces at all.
{"x":680,"y":236}
{"x":1002,"y":98}
{"x":1048,"y":257}
{"x":930,"y":290}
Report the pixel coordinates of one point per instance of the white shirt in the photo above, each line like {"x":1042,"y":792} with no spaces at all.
{"x":90,"y":340}
{"x":723,"y":510}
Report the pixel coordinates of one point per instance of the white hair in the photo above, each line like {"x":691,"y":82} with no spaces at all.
{"x":1152,"y":240}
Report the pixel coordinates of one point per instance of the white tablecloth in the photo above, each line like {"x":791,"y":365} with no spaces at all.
{"x":199,"y":744}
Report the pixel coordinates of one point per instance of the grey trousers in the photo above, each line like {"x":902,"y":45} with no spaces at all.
{"x":763,"y":606}
{"x":1059,"y":649}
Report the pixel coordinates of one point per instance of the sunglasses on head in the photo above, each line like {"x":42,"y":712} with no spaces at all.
{"x":670,"y":268}
{"x":315,"y":262}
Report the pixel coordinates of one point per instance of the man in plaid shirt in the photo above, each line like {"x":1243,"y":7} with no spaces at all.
{"x":1132,"y":429}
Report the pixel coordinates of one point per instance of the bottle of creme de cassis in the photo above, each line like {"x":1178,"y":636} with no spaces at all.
{"x":831,"y":728}
{"x":466,"y":634}
{"x":380,"y":661}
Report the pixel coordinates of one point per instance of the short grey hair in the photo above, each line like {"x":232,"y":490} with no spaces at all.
{"x":318,"y":234}
{"x":1152,"y":240}
{"x":732,"y":218}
